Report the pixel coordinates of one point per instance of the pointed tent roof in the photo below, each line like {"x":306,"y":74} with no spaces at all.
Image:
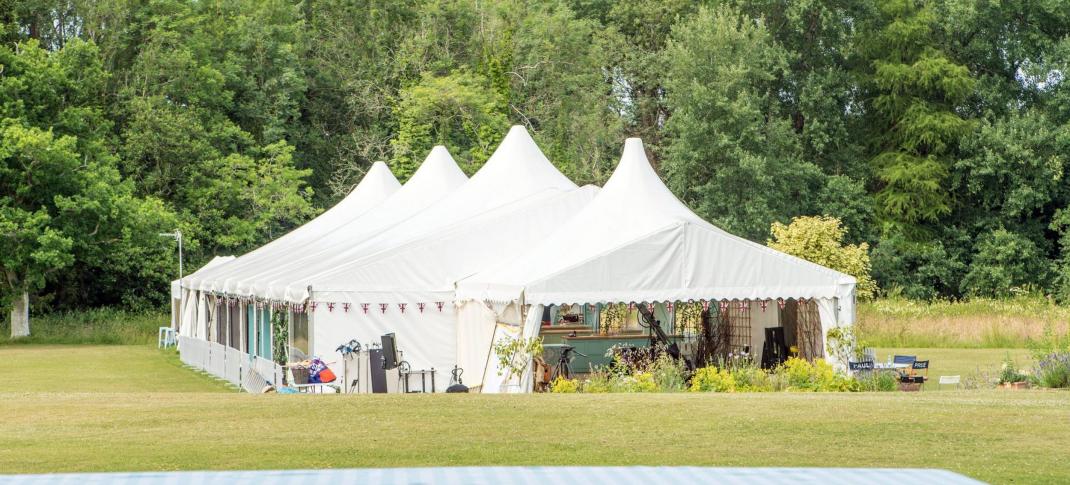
{"x":437,"y":177}
{"x":377,"y":185}
{"x":516,"y":176}
{"x":637,"y":242}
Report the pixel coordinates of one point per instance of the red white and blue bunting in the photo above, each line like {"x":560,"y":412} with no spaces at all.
{"x":743,"y":305}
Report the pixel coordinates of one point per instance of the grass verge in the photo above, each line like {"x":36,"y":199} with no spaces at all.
{"x":105,"y":326}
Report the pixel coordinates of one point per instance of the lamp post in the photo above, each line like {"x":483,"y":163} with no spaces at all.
{"x":177,"y":235}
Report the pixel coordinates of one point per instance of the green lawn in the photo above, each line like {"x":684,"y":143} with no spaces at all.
{"x":99,"y":368}
{"x":961,"y":362}
{"x":135,"y":408}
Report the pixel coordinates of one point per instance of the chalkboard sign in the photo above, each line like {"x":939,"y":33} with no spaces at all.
{"x":920,"y":364}
{"x":857,"y":366}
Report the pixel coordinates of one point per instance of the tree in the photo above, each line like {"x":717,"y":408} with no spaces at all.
{"x":64,"y":203}
{"x":1004,"y":262}
{"x":459,"y":111}
{"x":820,"y":240}
{"x":915,"y":88}
{"x":240,"y":200}
{"x":725,"y":138}
{"x":206,"y":110}
{"x":35,"y":167}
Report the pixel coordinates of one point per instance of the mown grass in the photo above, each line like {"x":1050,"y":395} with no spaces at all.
{"x":174,"y":419}
{"x":105,"y":326}
{"x":100,"y":368}
{"x":979,"y":323}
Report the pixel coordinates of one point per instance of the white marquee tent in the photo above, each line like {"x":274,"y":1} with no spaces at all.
{"x":176,"y":287}
{"x":437,"y":177}
{"x":635,"y":242}
{"x":450,"y":264}
{"x":376,"y":186}
{"x":403,"y":281}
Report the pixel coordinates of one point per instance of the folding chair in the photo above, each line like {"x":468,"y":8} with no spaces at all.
{"x":951,"y":380}
{"x":916,"y":366}
{"x":902,"y":361}
{"x":861,"y":368}
{"x":902,"y":364}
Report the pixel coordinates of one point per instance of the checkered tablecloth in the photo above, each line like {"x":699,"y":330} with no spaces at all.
{"x":640,"y":475}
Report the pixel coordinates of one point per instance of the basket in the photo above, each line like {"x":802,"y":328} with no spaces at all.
{"x":300,"y":374}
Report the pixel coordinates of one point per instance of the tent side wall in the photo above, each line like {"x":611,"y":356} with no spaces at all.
{"x":427,"y":339}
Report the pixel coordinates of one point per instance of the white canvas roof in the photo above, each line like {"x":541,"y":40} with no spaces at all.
{"x":516,"y":178}
{"x":377,"y":185}
{"x":636,"y":242}
{"x":437,"y":177}
{"x":403,"y":281}
{"x":176,"y":285}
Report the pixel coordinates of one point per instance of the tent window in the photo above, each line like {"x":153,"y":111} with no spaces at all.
{"x":220,"y":317}
{"x":250,"y":329}
{"x":809,"y":330}
{"x":265,"y":333}
{"x":234,"y":325}
{"x":299,"y":332}
{"x":739,"y":332}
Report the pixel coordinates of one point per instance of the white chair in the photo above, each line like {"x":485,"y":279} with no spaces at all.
{"x":166,"y":338}
{"x":950,"y":380}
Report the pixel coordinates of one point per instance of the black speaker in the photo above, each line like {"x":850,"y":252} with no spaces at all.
{"x":376,"y":372}
{"x":390,"y":352}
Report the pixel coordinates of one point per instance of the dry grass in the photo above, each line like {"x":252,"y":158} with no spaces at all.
{"x":1011,"y":323}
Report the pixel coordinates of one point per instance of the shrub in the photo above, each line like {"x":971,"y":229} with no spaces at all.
{"x":596,"y":383}
{"x":564,"y":386}
{"x":638,"y":382}
{"x":1052,"y":356}
{"x":878,"y":382}
{"x":1053,"y":370}
{"x":751,"y":379}
{"x":818,"y":376}
{"x":820,"y":240}
{"x":980,"y":379}
{"x":669,"y":374}
{"x":1009,"y":372}
{"x":712,"y":379}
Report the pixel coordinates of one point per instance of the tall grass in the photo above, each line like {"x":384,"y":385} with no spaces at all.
{"x":96,"y":326}
{"x":977,"y":323}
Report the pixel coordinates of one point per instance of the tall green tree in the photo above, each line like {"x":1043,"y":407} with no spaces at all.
{"x":725,"y":138}
{"x":207,"y":109}
{"x":914,"y":90}
{"x":64,"y":204}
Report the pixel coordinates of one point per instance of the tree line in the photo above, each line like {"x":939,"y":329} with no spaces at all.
{"x":937,"y":131}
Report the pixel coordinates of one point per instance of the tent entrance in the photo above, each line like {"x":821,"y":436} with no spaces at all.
{"x":706,"y":333}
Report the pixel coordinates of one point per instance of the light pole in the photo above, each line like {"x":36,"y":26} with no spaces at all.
{"x":177,"y":235}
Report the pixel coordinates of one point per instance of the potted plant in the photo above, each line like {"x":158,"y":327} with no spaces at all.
{"x":1010,"y":377}
{"x":514,"y":357}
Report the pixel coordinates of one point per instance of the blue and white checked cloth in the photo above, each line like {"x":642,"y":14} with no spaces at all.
{"x":639,"y":475}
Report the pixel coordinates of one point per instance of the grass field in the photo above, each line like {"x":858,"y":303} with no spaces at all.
{"x":960,"y":362}
{"x":135,"y":408}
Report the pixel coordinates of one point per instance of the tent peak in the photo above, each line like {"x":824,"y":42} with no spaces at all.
{"x":438,"y":167}
{"x":518,"y":157}
{"x":379,"y":176}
